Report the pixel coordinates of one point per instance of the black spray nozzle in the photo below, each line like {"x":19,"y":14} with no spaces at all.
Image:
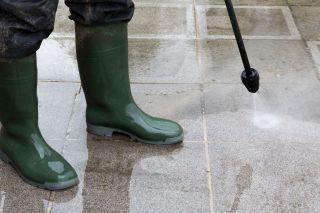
{"x":250,"y":78}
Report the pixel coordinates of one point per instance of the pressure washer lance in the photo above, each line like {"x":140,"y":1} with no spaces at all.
{"x":250,"y":77}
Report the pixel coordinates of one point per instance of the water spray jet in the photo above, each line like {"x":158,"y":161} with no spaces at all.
{"x":250,"y":77}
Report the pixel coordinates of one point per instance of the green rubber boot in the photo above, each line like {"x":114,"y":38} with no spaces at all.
{"x":102,"y":53}
{"x":21,"y":143}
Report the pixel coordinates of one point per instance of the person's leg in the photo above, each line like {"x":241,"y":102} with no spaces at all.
{"x":23,"y":25}
{"x":102,"y":52}
{"x":100,"y":12}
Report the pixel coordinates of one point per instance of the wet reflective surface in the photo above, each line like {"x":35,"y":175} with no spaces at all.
{"x":242,"y":152}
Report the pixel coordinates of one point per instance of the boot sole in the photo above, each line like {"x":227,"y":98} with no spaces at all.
{"x":108,"y":132}
{"x":47,"y":186}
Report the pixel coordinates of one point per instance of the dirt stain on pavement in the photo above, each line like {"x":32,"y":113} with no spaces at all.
{"x":243,"y":182}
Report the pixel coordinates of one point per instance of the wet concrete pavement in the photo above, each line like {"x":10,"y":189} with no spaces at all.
{"x":242,"y":152}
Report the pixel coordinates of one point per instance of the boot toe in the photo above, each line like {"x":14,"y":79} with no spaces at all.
{"x":58,"y":177}
{"x":165,"y":132}
{"x":173,"y":133}
{"x":63,"y":181}
{"x":51,"y":173}
{"x":62,"y":176}
{"x":169,"y":128}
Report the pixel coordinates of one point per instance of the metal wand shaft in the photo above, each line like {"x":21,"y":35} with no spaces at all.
{"x":237,"y":33}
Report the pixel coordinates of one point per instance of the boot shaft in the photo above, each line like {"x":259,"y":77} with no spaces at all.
{"x":92,"y":40}
{"x":18,"y":93}
{"x":102,"y":53}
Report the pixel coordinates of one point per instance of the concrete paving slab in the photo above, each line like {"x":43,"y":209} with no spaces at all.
{"x":2,"y":199}
{"x":55,"y":108}
{"x":163,"y":61}
{"x":139,"y":178}
{"x":263,"y":22}
{"x":173,"y":182}
{"x":314,"y":47}
{"x":265,"y":177}
{"x":16,"y":195}
{"x":63,"y":24}
{"x":279,"y":113}
{"x":77,"y":129}
{"x":163,"y":21}
{"x":308,"y":21}
{"x":57,"y":60}
{"x":155,"y":2}
{"x":76,"y":153}
{"x":304,"y":2}
{"x":278,"y":61}
{"x":245,"y":2}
